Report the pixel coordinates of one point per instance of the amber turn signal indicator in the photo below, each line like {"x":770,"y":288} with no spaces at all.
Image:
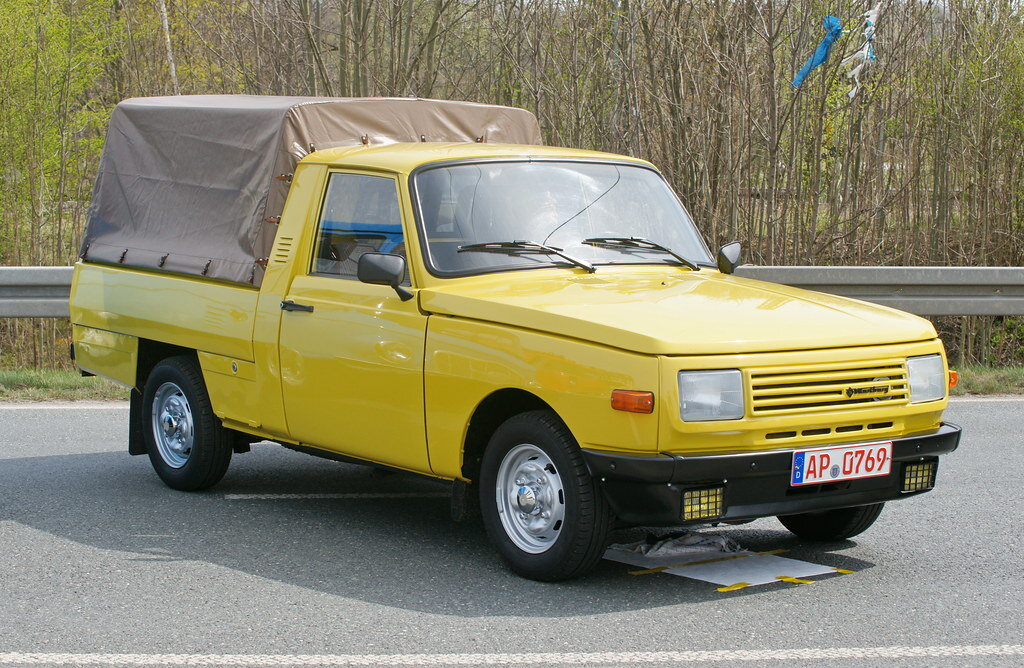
{"x":954,"y":378}
{"x":632,"y":401}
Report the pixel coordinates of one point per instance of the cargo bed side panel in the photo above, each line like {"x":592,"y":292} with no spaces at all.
{"x":193,"y":313}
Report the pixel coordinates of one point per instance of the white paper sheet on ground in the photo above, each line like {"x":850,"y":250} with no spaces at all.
{"x":731,"y":570}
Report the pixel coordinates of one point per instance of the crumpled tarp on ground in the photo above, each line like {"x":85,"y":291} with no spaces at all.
{"x":677,"y":544}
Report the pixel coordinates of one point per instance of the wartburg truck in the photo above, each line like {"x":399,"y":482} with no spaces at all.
{"x":422,"y":285}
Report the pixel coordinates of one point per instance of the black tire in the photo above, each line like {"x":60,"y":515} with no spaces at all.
{"x":836,"y":524}
{"x":579,"y":539}
{"x":179,"y":381}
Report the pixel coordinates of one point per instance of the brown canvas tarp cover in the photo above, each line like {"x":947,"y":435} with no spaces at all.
{"x":187,"y":183}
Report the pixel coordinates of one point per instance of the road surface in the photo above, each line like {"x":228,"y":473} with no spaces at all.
{"x":294,"y":560}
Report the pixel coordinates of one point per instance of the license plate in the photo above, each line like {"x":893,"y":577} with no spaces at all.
{"x":843,"y":462}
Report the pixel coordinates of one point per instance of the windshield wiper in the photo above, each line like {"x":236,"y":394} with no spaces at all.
{"x":627,"y":243}
{"x":518,"y":247}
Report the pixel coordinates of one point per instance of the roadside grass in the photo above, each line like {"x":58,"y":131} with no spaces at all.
{"x":63,"y":385}
{"x":56,"y":385}
{"x":989,"y":380}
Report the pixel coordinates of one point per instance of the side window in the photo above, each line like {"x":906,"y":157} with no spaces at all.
{"x":360,"y":215}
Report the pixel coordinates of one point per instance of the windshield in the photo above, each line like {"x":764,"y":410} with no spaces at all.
{"x":559,"y":204}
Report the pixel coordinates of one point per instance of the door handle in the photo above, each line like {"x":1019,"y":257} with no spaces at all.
{"x":289,"y":305}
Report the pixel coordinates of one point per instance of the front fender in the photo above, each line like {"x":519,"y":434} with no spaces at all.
{"x":466,"y":361}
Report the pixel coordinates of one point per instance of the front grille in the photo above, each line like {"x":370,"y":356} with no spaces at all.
{"x":808,"y":389}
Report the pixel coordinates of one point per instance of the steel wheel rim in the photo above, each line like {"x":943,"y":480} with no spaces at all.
{"x":173,"y":427}
{"x":530,"y":498}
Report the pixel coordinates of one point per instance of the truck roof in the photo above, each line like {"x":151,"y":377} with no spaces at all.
{"x":405,"y":157}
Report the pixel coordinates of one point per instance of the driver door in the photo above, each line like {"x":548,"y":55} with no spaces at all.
{"x":352,"y":353}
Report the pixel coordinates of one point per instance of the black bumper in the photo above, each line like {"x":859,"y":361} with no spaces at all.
{"x":648,"y":491}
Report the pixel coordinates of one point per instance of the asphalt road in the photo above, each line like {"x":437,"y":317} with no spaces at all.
{"x":99,"y":560}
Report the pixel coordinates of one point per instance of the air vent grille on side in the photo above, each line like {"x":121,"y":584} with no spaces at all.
{"x":282,"y":250}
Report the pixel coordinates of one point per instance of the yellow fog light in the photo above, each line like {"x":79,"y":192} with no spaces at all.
{"x":919,"y":476}
{"x":705,"y":503}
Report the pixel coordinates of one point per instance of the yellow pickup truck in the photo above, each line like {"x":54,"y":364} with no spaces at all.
{"x":422,"y":285}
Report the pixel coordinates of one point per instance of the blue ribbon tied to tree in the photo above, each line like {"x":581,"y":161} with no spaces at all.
{"x":834,"y":28}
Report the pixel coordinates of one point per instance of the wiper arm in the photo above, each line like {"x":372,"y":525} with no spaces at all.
{"x":625,"y":243}
{"x":516,"y":247}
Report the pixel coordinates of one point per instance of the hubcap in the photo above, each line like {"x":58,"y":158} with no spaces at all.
{"x":530,"y":500}
{"x":526,"y":498}
{"x":172,"y":425}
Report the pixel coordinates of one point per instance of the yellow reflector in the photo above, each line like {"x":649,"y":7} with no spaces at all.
{"x":919,"y":476}
{"x":954,"y":378}
{"x":701,"y":504}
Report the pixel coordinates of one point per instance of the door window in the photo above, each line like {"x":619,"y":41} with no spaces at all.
{"x":360,"y":215}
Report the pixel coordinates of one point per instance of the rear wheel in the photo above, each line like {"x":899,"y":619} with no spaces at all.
{"x":540,"y":506}
{"x":187,"y":445}
{"x":836,"y":524}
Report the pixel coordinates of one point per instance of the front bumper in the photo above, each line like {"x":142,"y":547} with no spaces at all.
{"x":648,"y":491}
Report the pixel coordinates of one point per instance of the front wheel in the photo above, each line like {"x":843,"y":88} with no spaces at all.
{"x":188,"y":447}
{"x":836,"y":524}
{"x":540,"y":507}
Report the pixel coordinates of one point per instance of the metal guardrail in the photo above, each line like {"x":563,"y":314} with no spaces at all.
{"x":34,"y":292}
{"x":920,"y":290}
{"x":42,"y":292}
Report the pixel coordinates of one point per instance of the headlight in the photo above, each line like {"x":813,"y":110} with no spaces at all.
{"x":927,"y":378}
{"x":710,"y":395}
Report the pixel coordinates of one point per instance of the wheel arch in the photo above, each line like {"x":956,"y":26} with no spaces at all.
{"x":494,"y":409}
{"x":152,"y":353}
{"x":149,"y":355}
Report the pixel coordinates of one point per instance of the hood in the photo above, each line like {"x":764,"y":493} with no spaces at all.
{"x":670,"y":311}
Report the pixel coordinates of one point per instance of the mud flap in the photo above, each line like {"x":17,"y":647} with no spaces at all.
{"x":464,"y":504}
{"x":136,"y":424}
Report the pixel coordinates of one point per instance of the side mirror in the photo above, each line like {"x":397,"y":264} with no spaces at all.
{"x":729,"y":257}
{"x":383,"y":269}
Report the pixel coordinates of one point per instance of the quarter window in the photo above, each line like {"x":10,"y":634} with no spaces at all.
{"x":360,"y":215}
